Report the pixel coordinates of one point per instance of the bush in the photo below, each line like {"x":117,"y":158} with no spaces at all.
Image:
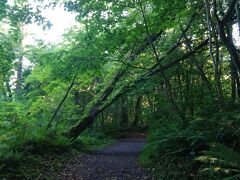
{"x":204,"y":149}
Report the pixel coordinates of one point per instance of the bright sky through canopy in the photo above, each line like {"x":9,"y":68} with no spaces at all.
{"x":60,"y":19}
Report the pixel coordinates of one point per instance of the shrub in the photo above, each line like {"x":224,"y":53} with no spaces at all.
{"x":203,"y":149}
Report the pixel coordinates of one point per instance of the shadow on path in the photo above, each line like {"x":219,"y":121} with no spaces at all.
{"x":116,"y":162}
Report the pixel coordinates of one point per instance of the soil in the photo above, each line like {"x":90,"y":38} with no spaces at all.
{"x":116,"y":162}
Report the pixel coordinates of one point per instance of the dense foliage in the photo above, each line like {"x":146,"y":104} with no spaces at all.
{"x":169,"y":68}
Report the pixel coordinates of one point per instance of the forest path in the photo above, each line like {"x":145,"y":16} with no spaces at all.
{"x":116,"y":162}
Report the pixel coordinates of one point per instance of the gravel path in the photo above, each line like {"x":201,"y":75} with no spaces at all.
{"x":117,"y":162}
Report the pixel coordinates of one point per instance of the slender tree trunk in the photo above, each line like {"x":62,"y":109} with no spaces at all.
{"x":19,"y":74}
{"x":188,"y":90}
{"x":124,"y":112}
{"x":234,"y":71}
{"x":137,"y":111}
{"x":179,"y":82}
{"x":76,"y":97}
{"x":151,"y":104}
{"x":199,"y":68}
{"x":238,"y":86}
{"x":9,"y":91}
{"x":62,"y":101}
{"x":213,"y":34}
{"x":166,"y":80}
{"x":233,"y":82}
{"x":102,"y":121}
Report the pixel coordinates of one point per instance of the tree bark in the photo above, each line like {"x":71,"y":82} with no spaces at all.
{"x":213,"y":34}
{"x":227,"y":40}
{"x":137,"y":111}
{"x":124,"y":112}
{"x":233,"y":82}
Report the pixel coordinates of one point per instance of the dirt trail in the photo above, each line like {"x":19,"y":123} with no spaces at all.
{"x":116,"y":162}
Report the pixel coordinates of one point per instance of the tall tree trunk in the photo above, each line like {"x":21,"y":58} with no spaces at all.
{"x":213,"y":34}
{"x":188,"y":90}
{"x":137,"y":111}
{"x":19,"y":74}
{"x":233,"y":82}
{"x":9,"y":91}
{"x":179,"y":82}
{"x":226,"y":38}
{"x":77,"y":97}
{"x":151,"y":103}
{"x":62,"y":101}
{"x":124,"y":112}
{"x":234,"y":73}
{"x":238,"y":86}
{"x":167,"y":83}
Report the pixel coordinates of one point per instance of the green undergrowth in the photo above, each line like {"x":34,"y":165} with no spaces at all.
{"x":39,"y":154}
{"x":204,"y":148}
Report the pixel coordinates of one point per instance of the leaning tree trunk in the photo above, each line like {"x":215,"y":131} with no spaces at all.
{"x":97,"y":108}
{"x":103,"y":102}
